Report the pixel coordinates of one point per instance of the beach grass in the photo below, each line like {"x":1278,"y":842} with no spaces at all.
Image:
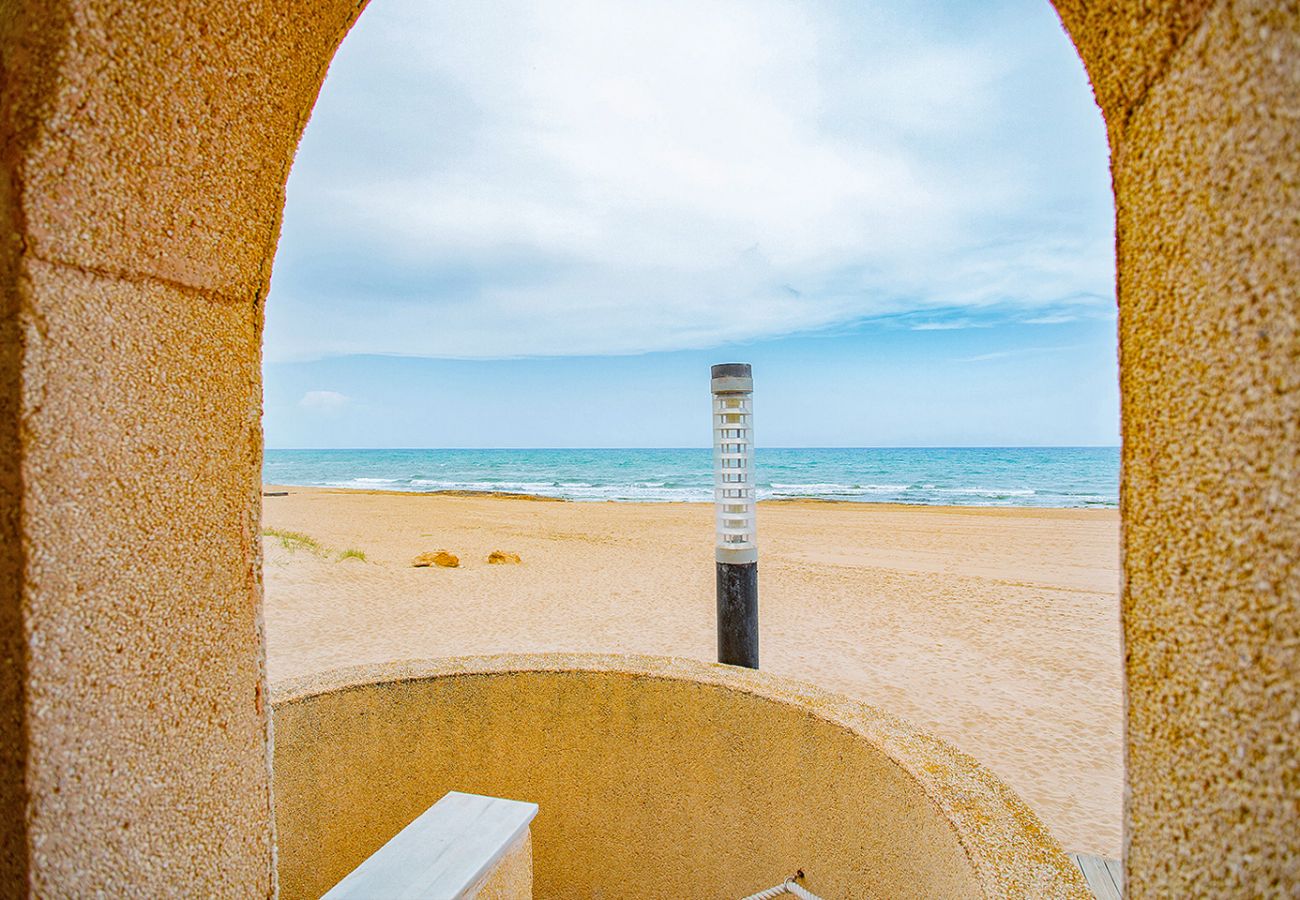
{"x":295,"y":540}
{"x":300,"y":540}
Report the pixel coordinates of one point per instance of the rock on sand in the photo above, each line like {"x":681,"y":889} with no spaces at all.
{"x":437,"y":558}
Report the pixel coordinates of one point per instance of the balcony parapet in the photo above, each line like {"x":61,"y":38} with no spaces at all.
{"x":649,"y":770}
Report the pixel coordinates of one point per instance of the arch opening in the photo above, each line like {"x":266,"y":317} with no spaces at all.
{"x":1015,"y":737}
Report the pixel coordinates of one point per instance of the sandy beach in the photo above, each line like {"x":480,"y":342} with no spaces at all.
{"x":997,"y":629}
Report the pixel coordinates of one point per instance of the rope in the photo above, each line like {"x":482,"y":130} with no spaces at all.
{"x":786,"y":887}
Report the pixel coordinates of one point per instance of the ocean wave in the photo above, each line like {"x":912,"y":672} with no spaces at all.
{"x":439,"y":484}
{"x":830,"y":488}
{"x":360,"y":483}
{"x":573,"y":490}
{"x":643,"y":494}
{"x":987,"y":492}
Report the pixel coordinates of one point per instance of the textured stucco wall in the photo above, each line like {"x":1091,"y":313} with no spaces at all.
{"x":1208,"y":177}
{"x":512,"y":877}
{"x":144,"y":154}
{"x":655,"y":778}
{"x":1202,"y":101}
{"x":144,"y":679}
{"x":1126,"y":47}
{"x":15,"y":93}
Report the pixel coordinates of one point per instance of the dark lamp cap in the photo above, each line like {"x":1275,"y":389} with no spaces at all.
{"x":732,"y":370}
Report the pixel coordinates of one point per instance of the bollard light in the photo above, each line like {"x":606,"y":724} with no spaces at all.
{"x":734,"y":499}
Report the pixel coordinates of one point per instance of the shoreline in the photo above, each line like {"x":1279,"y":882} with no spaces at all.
{"x":269,"y":489}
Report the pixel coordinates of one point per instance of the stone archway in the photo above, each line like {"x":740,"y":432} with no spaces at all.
{"x":145,"y":151}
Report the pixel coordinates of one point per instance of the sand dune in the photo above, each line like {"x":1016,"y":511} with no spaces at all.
{"x":997,"y":629}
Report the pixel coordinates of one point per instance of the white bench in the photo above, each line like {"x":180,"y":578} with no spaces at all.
{"x":446,"y":853}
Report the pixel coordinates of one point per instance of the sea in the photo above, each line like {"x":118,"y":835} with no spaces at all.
{"x":925,"y":476}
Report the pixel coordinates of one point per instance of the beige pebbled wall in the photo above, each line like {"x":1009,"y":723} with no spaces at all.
{"x":1209,"y":237}
{"x":145,"y":149}
{"x":143,"y":154}
{"x":146,"y":715}
{"x":654,"y":778}
{"x":1203,"y":106}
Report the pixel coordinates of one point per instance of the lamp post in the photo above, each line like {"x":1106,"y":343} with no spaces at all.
{"x":736,"y":547}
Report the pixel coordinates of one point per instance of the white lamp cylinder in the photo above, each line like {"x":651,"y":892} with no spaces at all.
{"x":734,"y":496}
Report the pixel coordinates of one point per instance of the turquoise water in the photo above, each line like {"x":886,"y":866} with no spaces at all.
{"x":978,"y":476}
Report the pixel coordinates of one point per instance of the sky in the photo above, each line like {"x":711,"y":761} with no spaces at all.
{"x":537,"y":224}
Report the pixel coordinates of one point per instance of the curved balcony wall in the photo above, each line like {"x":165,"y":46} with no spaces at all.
{"x":655,"y":778}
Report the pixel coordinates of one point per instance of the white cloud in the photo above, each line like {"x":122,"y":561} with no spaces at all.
{"x":324,"y":401}
{"x":1020,"y":351}
{"x":950,"y":325}
{"x":589,"y":177}
{"x":985,"y":357}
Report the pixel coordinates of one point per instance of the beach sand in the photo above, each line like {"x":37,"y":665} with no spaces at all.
{"x":997,"y":629}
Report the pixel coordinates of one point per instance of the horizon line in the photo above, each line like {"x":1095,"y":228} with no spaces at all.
{"x":709,"y":447}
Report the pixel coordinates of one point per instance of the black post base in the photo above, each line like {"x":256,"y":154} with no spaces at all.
{"x":738,"y":614}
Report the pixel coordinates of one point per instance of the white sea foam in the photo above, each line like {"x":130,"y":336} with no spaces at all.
{"x":360,"y":483}
{"x":649,"y":494}
{"x":806,"y":490}
{"x":484,"y":485}
{"x":987,"y":492}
